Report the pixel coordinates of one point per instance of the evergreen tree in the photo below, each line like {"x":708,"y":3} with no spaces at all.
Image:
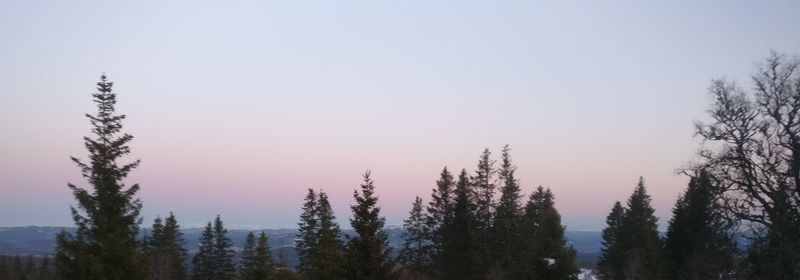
{"x":547,"y":256}
{"x":439,"y":213}
{"x":308,"y":228}
{"x":214,"y":261}
{"x":416,"y":254}
{"x":107,"y":215}
{"x":639,"y":240}
{"x":610,"y":264}
{"x":367,"y":251}
{"x":329,"y":252}
{"x":459,"y":259}
{"x":256,"y":262}
{"x":506,"y":230}
{"x":164,"y":249}
{"x":282,"y":271}
{"x":484,"y":191}
{"x":699,"y":243}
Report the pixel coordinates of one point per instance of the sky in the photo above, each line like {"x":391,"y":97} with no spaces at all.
{"x":237,"y":107}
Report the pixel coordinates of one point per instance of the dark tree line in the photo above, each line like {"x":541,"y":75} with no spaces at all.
{"x":747,"y":185}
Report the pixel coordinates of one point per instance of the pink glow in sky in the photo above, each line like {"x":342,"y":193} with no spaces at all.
{"x":237,"y":109}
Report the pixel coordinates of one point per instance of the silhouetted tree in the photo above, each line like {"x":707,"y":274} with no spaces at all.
{"x":214,"y":260}
{"x":107,"y":216}
{"x":440,"y":213}
{"x":307,"y":231}
{"x":756,"y":157}
{"x":256,"y":261}
{"x":459,"y":259}
{"x":483,"y":190}
{"x":699,"y":244}
{"x":282,"y":271}
{"x":367,"y":251}
{"x":639,"y":241}
{"x":505,"y":229}
{"x":547,"y":255}
{"x":415,"y":255}
{"x":610,"y":265}
{"x":165,"y":250}
{"x":328,"y":258}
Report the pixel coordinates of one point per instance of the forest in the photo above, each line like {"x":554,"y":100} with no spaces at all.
{"x":738,"y":217}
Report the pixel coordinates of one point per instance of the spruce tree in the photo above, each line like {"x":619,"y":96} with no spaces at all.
{"x":610,"y":263}
{"x":107,"y":215}
{"x":308,"y":227}
{"x":439,"y":213}
{"x":415,"y":256}
{"x":459,"y":259}
{"x":165,"y":250}
{"x":282,"y":271}
{"x":367,"y":251}
{"x":548,"y":256}
{"x":484,"y":192}
{"x":699,"y":244}
{"x":639,"y":240}
{"x":256,"y":260}
{"x":214,"y":261}
{"x":505,"y":229}
{"x":328,"y":258}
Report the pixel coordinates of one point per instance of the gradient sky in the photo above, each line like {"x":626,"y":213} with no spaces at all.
{"x":237,"y":107}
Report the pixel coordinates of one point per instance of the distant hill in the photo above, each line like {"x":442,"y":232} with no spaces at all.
{"x":35,"y":240}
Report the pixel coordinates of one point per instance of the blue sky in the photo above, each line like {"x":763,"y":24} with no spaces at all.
{"x":239,"y":106}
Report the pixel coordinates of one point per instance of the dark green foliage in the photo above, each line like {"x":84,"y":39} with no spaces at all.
{"x":27,"y":268}
{"x":328,"y":258}
{"x":459,"y":259}
{"x":639,"y":241}
{"x":282,"y":270}
{"x":440,"y":213}
{"x":416,"y":252}
{"x":308,"y":228}
{"x":610,"y":265}
{"x":256,"y":261}
{"x":505,"y":230}
{"x":214,"y":260}
{"x":698,"y":244}
{"x":107,"y":214}
{"x":164,"y":249}
{"x":546,"y":254}
{"x":368,"y":251}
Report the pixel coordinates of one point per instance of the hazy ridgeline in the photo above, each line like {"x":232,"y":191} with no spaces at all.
{"x":476,"y":224}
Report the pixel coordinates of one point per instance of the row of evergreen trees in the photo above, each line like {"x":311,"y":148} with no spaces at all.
{"x":31,"y":268}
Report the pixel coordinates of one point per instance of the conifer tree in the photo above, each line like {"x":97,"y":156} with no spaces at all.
{"x":282,"y":271}
{"x":699,"y":244}
{"x":484,"y":192}
{"x":416,"y":254}
{"x":256,"y":261}
{"x":610,"y":264}
{"x":214,"y":261}
{"x":639,"y":240}
{"x":439,"y":213}
{"x":165,"y":250}
{"x":505,"y":229}
{"x":328,"y":258}
{"x":107,"y":215}
{"x":367,"y":251}
{"x":547,"y":254}
{"x":308,"y":228}
{"x":459,"y":259}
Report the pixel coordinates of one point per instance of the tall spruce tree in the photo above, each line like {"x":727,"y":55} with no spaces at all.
{"x":165,"y":250}
{"x":639,"y":240}
{"x":328,"y":258}
{"x":107,"y":215}
{"x":439,"y":213}
{"x":459,"y":259}
{"x":610,"y":264}
{"x":505,"y":229}
{"x":214,"y":261}
{"x":484,"y":192}
{"x":308,"y":228}
{"x":256,"y":260}
{"x":367,"y":251}
{"x":415,"y":256}
{"x":699,"y":242}
{"x":547,"y":254}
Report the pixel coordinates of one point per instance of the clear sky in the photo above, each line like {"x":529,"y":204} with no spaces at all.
{"x":237,"y":107}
